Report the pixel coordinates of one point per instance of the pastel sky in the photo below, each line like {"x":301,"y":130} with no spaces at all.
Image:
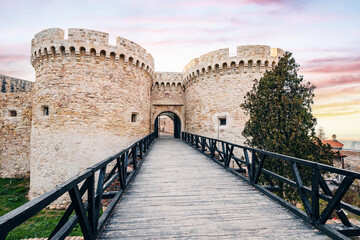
{"x":324,"y":36}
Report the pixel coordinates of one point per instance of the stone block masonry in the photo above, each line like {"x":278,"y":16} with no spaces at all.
{"x":15,"y":124}
{"x":85,"y":94}
{"x":215,"y":86}
{"x":91,"y":99}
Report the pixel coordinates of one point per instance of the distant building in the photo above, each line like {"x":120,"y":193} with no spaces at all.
{"x":352,"y":155}
{"x":335,"y":144}
{"x":339,"y":161}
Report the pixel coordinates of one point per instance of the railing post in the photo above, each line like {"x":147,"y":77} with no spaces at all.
{"x":253,"y":165}
{"x":248,"y":166}
{"x":84,"y":223}
{"x":3,"y":235}
{"x":202,"y":144}
{"x":91,"y":201}
{"x":212,"y":146}
{"x":99,"y":193}
{"x":134,"y":155}
{"x":141,"y":149}
{"x":145,"y":144}
{"x":223,"y":152}
{"x":315,"y":177}
{"x":120,"y":161}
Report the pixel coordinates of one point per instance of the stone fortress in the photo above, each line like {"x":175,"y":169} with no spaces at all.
{"x":91,"y":99}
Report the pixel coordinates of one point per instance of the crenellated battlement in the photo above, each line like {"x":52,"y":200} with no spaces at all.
{"x":88,"y":36}
{"x":89,"y":46}
{"x":249,"y":59}
{"x":168,"y":77}
{"x":92,"y":97}
{"x":168,"y":80}
{"x":14,"y":85}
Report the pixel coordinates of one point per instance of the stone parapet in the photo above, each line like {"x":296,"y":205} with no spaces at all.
{"x":85,"y":45}
{"x":249,"y":59}
{"x":15,"y":126}
{"x":12,"y":85}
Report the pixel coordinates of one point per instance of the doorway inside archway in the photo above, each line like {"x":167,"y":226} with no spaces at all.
{"x":167,"y":124}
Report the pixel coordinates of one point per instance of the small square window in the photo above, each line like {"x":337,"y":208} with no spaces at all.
{"x":45,"y":110}
{"x":12,"y":113}
{"x":222,"y":121}
{"x":133,"y":117}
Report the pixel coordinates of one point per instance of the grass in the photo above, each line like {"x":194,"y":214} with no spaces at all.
{"x":13,"y":193}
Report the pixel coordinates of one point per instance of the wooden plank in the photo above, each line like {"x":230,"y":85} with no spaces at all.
{"x":180,"y":193}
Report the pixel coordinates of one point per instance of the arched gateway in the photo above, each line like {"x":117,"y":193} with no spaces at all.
{"x":176,"y":124}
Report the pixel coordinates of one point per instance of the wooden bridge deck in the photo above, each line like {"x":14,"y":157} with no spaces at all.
{"x":180,"y":193}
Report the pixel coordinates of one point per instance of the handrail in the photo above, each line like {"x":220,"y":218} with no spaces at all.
{"x":250,"y":167}
{"x":87,"y":213}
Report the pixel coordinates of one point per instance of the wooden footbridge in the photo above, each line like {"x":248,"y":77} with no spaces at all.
{"x":187,"y":190}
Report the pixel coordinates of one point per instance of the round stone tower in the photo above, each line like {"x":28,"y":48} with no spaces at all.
{"x":215,"y":86}
{"x":90,"y":100}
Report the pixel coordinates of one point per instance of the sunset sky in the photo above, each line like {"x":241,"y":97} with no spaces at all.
{"x":323,"y":35}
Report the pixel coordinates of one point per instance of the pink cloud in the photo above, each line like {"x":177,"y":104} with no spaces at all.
{"x":344,"y":68}
{"x":332,"y":65}
{"x":187,"y":42}
{"x":333,"y":60}
{"x":268,"y":1}
{"x":340,"y":80}
{"x":13,"y":58}
{"x":338,"y":92}
{"x":234,"y":2}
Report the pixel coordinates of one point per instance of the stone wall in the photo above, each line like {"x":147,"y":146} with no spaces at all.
{"x":167,"y":95}
{"x":166,"y":125}
{"x":15,"y":124}
{"x":215,"y":86}
{"x":352,"y":160}
{"x":85,"y":94}
{"x":92,"y":99}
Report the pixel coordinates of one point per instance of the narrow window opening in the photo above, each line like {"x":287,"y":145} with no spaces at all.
{"x":112,"y":57}
{"x":266,"y":64}
{"x":258,"y":65}
{"x":12,"y":113}
{"x":46,"y":54}
{"x":134,"y":117}
{"x":224,"y":67}
{"x":217,"y":68}
{"x":45,"y":110}
{"x":273,"y":65}
{"x":62,"y":52}
{"x":53,"y":52}
{"x":72,"y":52}
{"x":40,"y":55}
{"x":122,"y":58}
{"x":233,"y":66}
{"x":102,"y":55}
{"x":222,"y":121}
{"x":82,"y":53}
{"x":93,"y":54}
{"x":250,"y":64}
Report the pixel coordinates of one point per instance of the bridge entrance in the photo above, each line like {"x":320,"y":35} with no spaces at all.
{"x":167,"y":124}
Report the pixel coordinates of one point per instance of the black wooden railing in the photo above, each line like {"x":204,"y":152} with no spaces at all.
{"x":87,"y":213}
{"x":251,"y":170}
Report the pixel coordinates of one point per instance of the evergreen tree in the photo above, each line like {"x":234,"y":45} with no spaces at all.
{"x":321,"y":133}
{"x":279,"y":107}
